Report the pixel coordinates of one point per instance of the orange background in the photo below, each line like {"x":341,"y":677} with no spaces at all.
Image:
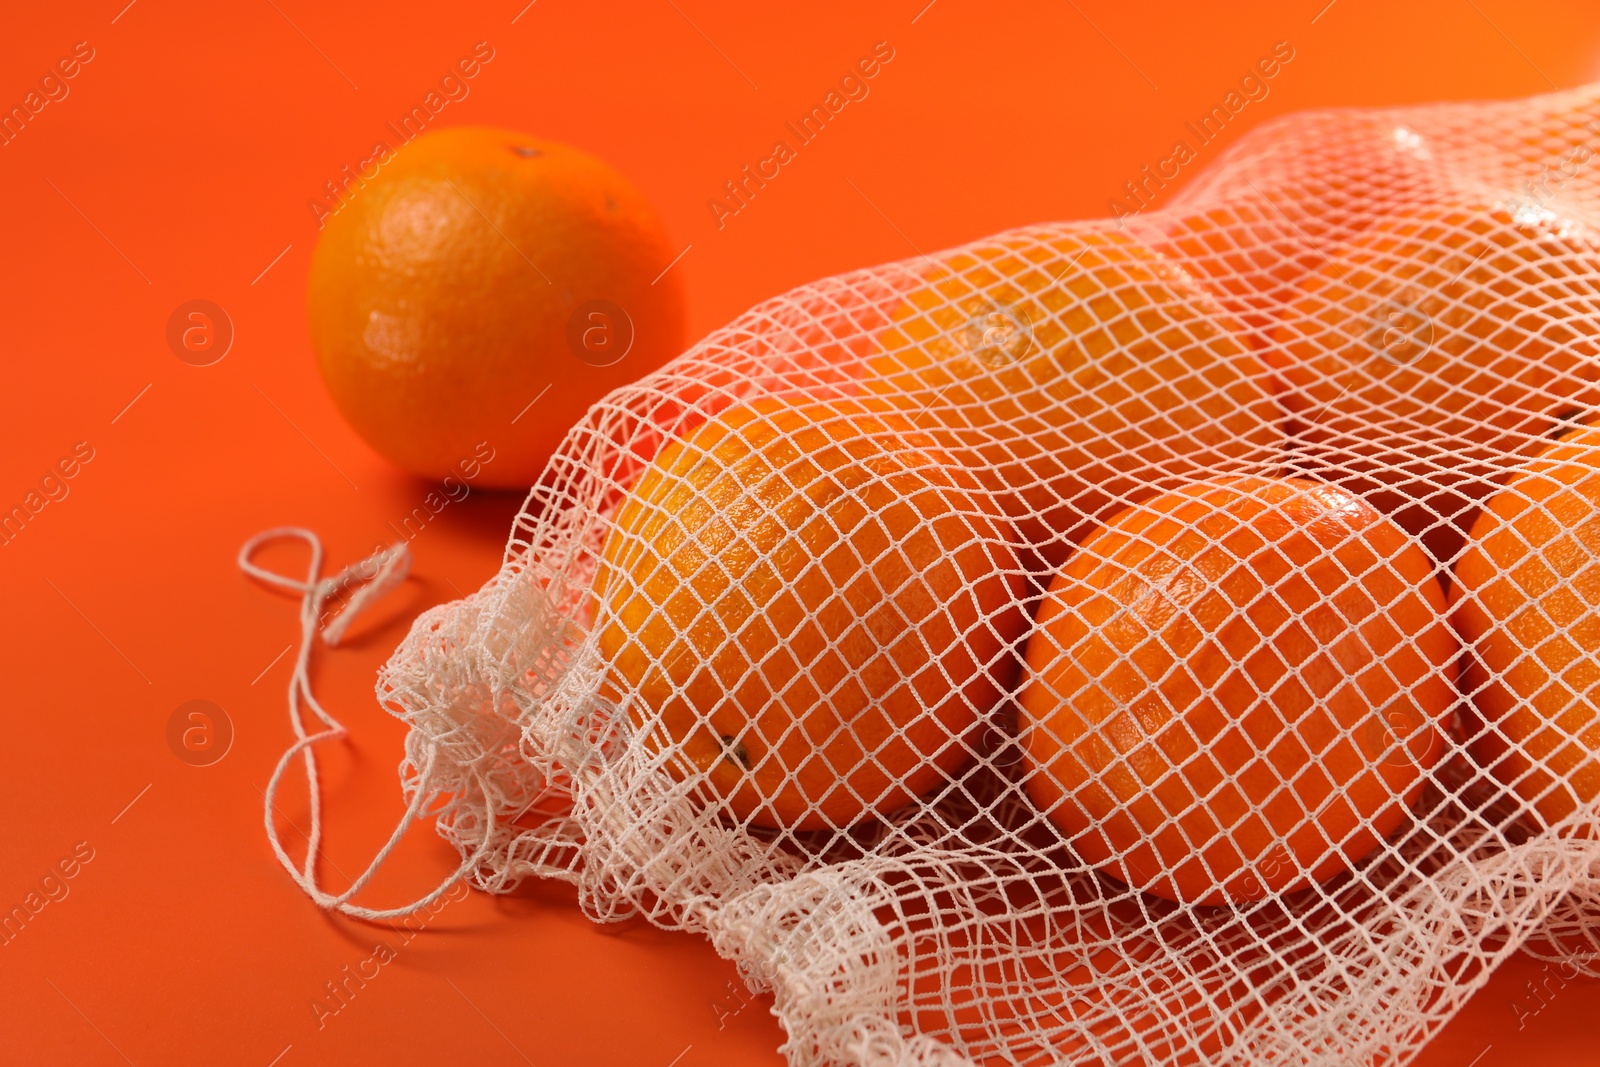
{"x":180,"y":165}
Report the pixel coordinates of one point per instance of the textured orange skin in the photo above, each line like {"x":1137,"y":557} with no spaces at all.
{"x":1254,"y":248}
{"x":1502,"y":342}
{"x":431,"y":314}
{"x":1148,"y":658}
{"x":1117,"y":392}
{"x":1250,"y":255}
{"x":797,"y":580}
{"x":1527,"y":603}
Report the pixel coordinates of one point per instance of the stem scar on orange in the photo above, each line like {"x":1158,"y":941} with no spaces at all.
{"x":481,"y":272}
{"x":809,"y":610}
{"x":1235,"y":689}
{"x":1527,"y":603}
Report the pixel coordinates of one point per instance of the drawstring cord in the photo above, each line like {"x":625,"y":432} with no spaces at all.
{"x":376,"y":575}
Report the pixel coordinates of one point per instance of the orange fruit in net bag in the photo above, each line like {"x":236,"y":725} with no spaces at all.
{"x":811,"y":609}
{"x":1438,"y":347}
{"x":1527,"y":603}
{"x":1074,"y":371}
{"x":1352,"y":170}
{"x":1248,"y":253}
{"x":1559,"y":130}
{"x":1235,"y":689}
{"x":1342,"y":173}
{"x":487,"y":287}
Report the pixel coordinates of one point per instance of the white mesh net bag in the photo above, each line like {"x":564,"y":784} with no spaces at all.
{"x":1166,"y":640}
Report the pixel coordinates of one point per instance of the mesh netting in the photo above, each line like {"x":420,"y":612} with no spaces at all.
{"x":1161,"y":640}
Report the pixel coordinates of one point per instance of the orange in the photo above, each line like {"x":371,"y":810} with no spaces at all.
{"x":487,"y":286}
{"x":810,"y":609}
{"x":1075,"y":371}
{"x":1249,"y":253}
{"x":1556,"y":129}
{"x":1343,"y":172}
{"x":1527,"y":603}
{"x":1437,"y":348}
{"x":1234,"y":689}
{"x":1328,"y":177}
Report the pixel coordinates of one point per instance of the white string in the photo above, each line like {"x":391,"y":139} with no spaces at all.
{"x":378,"y":573}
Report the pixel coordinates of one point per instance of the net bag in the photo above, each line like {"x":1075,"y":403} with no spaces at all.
{"x":1170,"y":639}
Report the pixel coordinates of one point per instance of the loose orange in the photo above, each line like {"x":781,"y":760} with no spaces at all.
{"x":480,"y":272}
{"x":811,"y":609}
{"x":1234,"y":689}
{"x":1527,"y":603}
{"x":1439,"y":347}
{"x":1075,"y":371}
